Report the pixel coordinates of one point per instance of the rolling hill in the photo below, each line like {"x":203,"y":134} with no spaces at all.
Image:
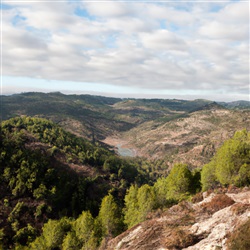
{"x":61,"y":172}
{"x":94,"y":117}
{"x":173,"y":130}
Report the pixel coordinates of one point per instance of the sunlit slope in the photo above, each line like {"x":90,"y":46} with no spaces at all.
{"x":192,"y":139}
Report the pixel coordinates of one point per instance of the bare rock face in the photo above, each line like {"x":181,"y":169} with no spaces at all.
{"x":193,"y":226}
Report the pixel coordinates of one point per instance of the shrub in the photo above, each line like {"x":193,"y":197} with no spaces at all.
{"x":219,"y":202}
{"x":179,"y":239}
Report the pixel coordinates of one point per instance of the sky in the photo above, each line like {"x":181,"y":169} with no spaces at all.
{"x":141,"y":49}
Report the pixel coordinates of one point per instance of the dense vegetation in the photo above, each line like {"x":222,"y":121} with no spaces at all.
{"x":59,"y":191}
{"x":230,"y":165}
{"x":49,"y":173}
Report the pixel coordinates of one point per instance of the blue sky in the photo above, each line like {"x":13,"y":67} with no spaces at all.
{"x":171,"y":49}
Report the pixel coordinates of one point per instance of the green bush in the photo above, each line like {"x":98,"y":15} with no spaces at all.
{"x":231,"y":163}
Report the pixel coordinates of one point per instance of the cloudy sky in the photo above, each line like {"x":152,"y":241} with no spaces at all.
{"x":165,"y":49}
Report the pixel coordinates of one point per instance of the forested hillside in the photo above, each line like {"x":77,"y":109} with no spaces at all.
{"x":59,"y":191}
{"x":47,"y":172}
{"x":160,"y":130}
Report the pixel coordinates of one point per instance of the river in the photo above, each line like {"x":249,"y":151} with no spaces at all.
{"x":125,"y":151}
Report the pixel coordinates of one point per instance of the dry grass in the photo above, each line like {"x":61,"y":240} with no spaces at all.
{"x":239,"y":239}
{"x":219,"y":202}
{"x":239,"y":208}
{"x":197,"y":198}
{"x":179,"y":239}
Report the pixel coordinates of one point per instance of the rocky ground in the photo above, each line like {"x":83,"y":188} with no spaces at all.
{"x":205,"y":223}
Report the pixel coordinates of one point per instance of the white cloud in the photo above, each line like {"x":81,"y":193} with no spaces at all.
{"x":52,"y":16}
{"x":231,"y":23}
{"x":108,"y":9}
{"x":129,"y":25}
{"x":171,"y":15}
{"x":162,"y":40}
{"x":179,"y":46}
{"x":219,"y":30}
{"x":237,"y":12}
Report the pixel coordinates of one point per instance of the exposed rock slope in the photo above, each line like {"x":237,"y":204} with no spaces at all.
{"x":193,"y":226}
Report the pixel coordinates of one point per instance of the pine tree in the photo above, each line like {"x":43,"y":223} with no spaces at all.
{"x":179,"y":182}
{"x":231,"y":163}
{"x":146,"y":201}
{"x":109,"y":216}
{"x":131,"y":210}
{"x":138,"y":203}
{"x":84,"y":226}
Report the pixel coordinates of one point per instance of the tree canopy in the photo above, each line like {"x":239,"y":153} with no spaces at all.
{"x":231,"y":163}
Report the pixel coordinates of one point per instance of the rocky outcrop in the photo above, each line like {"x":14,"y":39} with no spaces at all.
{"x":193,"y":226}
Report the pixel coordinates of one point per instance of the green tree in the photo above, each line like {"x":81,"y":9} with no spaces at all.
{"x":160,"y":189}
{"x":83,"y":227}
{"x":179,"y":182}
{"x":138,"y":203}
{"x":38,"y":244}
{"x":53,"y":234}
{"x":25,"y":235}
{"x":231,"y":163}
{"x":109,"y":216}
{"x":208,"y":177}
{"x":233,"y":155}
{"x":71,"y":242}
{"x":146,"y":201}
{"x":131,"y":209}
